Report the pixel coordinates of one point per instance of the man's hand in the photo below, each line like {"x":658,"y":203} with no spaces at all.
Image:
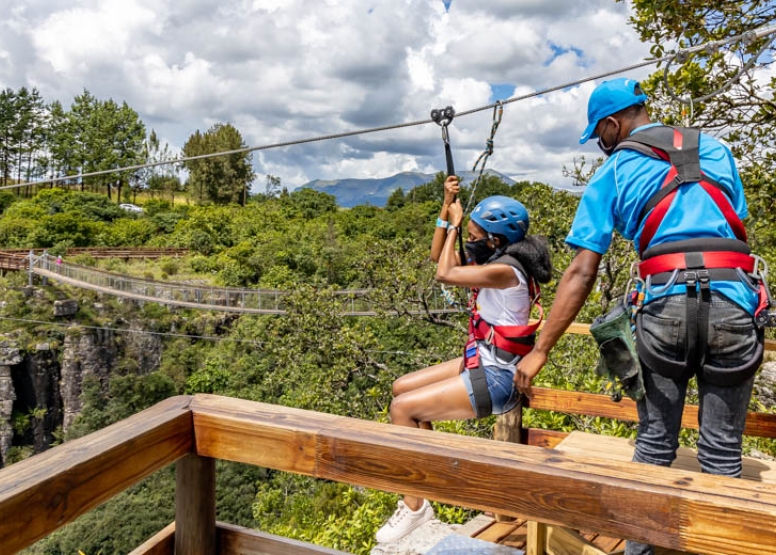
{"x":527,"y":369}
{"x":452,"y":188}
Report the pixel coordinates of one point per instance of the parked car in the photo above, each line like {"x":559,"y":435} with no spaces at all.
{"x":131,"y":207}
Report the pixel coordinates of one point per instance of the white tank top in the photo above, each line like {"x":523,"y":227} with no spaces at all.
{"x":503,"y":307}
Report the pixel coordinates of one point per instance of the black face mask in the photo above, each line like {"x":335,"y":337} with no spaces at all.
{"x":479,"y":251}
{"x":608,"y":150}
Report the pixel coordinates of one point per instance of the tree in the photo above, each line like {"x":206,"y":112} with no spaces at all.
{"x":95,"y":136}
{"x":272,"y":188}
{"x":28,"y":133}
{"x":7,"y":145}
{"x":162,"y":179}
{"x":61,"y":142}
{"x":219,"y":179}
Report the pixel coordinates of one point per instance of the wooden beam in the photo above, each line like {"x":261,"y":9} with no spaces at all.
{"x":195,"y":506}
{"x":592,"y":404}
{"x":667,"y":507}
{"x":562,"y":541}
{"x":543,"y":438}
{"x":235,"y":540}
{"x":509,"y":426}
{"x":53,"y":488}
{"x":161,"y":543}
{"x":536,"y":538}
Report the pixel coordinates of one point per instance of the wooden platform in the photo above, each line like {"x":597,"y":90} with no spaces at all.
{"x":621,"y":450}
{"x":563,"y":541}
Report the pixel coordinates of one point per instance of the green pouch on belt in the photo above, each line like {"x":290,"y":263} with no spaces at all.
{"x":619,"y":362}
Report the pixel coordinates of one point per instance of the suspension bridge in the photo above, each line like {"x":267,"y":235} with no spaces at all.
{"x":356,"y":302}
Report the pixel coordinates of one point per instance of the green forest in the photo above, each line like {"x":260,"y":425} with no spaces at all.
{"x":301,"y":242}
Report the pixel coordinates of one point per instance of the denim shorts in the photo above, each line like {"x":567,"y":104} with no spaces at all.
{"x":501,"y":385}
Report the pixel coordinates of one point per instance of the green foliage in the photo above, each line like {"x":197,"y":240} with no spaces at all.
{"x":308,"y":204}
{"x":7,"y":198}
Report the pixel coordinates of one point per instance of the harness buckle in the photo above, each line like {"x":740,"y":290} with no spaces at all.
{"x":692,"y":277}
{"x":757,"y":273}
{"x":489,"y":338}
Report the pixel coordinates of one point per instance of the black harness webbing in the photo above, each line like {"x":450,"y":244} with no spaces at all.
{"x":680,"y":146}
{"x":483,"y":406}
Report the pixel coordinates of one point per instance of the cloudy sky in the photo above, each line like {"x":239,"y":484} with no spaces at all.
{"x":283,"y":70}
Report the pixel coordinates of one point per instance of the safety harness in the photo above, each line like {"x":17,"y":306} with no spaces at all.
{"x":695,"y":262}
{"x":506,"y":343}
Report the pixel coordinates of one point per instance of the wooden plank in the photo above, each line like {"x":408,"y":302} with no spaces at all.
{"x":161,"y":543}
{"x":235,"y":540}
{"x":46,"y":491}
{"x":562,"y":541}
{"x":475,"y":526}
{"x":667,"y":507}
{"x":593,"y":404}
{"x":606,"y":544}
{"x":543,"y":438}
{"x":621,"y":449}
{"x":195,"y":505}
{"x":498,"y":531}
{"x":518,"y":537}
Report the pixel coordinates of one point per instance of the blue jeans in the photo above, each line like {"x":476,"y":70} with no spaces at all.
{"x":732,"y":340}
{"x":501,"y":386}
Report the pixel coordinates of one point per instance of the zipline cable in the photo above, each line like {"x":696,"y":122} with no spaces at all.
{"x":690,"y":102}
{"x":749,"y":36}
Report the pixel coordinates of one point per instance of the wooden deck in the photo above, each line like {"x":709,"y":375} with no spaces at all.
{"x":537,"y":539}
{"x":514,"y":533}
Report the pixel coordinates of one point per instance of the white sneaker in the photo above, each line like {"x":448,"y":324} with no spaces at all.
{"x":404,"y":521}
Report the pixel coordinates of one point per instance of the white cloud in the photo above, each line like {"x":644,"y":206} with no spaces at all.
{"x":282,"y":70}
{"x":72,"y":40}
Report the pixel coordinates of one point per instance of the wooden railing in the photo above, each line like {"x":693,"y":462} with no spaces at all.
{"x":671,"y":508}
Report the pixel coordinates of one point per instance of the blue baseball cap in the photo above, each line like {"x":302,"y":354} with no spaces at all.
{"x":609,"y":98}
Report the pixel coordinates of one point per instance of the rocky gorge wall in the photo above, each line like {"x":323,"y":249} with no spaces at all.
{"x":41,"y":382}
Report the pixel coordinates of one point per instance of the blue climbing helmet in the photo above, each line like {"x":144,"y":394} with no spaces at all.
{"x":500,"y":215}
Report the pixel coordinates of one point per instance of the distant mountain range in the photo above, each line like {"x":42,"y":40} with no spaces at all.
{"x":352,"y":192}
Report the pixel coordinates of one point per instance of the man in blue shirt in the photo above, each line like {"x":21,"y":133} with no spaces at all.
{"x":722,"y":347}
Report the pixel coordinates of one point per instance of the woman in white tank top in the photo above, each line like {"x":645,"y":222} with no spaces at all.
{"x":445,"y":391}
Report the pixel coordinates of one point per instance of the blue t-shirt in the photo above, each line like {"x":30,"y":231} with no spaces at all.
{"x":622,"y":186}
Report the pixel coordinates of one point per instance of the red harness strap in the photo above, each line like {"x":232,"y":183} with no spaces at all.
{"x":711,"y":260}
{"x":655,"y":217}
{"x":517,"y":340}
